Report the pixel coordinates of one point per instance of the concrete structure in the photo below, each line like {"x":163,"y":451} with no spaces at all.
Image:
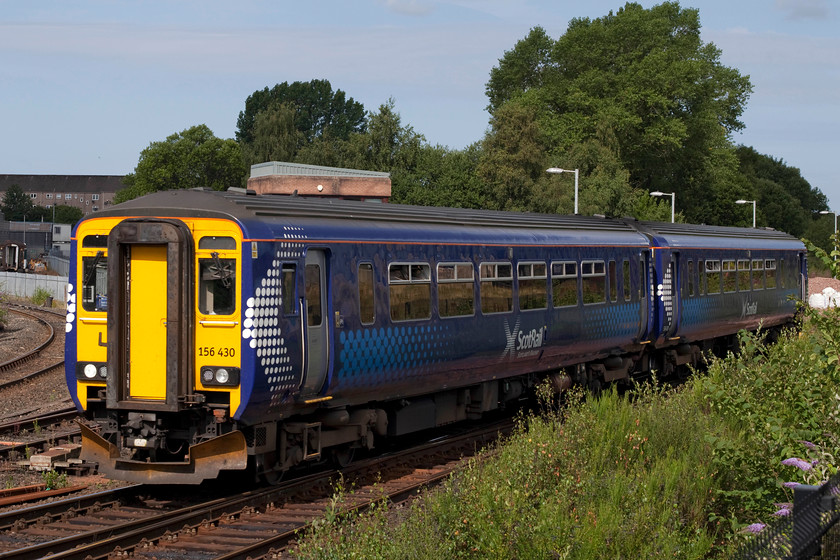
{"x":24,"y":286}
{"x":275,"y":177}
{"x":86,"y":192}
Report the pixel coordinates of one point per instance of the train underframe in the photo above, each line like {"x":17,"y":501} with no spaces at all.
{"x":200,"y":442}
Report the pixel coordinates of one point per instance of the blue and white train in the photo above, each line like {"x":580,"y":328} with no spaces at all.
{"x":213,"y":331}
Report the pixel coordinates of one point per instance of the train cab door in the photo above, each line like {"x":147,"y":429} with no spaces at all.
{"x":646,"y":293}
{"x":671,"y":294}
{"x":149,"y":315}
{"x":802,"y":277}
{"x":314,"y":313}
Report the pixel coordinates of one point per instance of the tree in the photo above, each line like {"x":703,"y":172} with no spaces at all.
{"x":444,"y":177}
{"x":514,"y":157}
{"x":783,"y":197}
{"x":67,"y":214}
{"x":189,"y":159}
{"x":275,"y":136}
{"x":17,"y":205}
{"x":319,"y":112}
{"x":642,"y":76}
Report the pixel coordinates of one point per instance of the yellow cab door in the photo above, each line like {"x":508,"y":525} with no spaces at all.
{"x":147,"y":314}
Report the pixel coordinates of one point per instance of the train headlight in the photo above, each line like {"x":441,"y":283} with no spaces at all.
{"x":219,"y":376}
{"x":222,"y":376}
{"x":91,"y":371}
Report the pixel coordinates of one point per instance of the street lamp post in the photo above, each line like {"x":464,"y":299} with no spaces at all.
{"x":742,"y":201}
{"x":673,"y":200}
{"x":576,"y":172}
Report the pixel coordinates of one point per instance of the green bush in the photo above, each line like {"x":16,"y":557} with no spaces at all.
{"x":658,"y":473}
{"x":39,"y":297}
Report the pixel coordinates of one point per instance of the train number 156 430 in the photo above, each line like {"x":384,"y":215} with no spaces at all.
{"x":222,"y":352}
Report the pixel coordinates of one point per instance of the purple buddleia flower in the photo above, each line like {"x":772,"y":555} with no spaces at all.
{"x":754,"y":528}
{"x":791,"y":484}
{"x":808,"y":444}
{"x":782,"y":512}
{"x":798,"y":463}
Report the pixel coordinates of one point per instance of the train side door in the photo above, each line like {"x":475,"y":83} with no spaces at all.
{"x":314,"y":312}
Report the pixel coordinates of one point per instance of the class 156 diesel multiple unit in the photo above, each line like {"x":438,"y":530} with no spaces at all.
{"x":223,"y":331}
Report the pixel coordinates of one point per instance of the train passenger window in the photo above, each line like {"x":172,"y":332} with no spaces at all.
{"x":770,"y":273}
{"x":593,"y":281}
{"x":564,"y":283}
{"x":496,"y":287}
{"x":690,"y":278}
{"x":743,"y":275}
{"x":217,"y":285}
{"x":758,"y":274}
{"x":713,"y":277}
{"x":312,"y":291}
{"x":95,"y":241}
{"x":366,"y":306}
{"x":213,"y":242}
{"x":287,"y":285}
{"x":533,"y":288}
{"x":729,"y":282}
{"x":625,"y":279}
{"x":410,"y":290}
{"x":782,"y":282}
{"x":95,"y":282}
{"x":613,"y":282}
{"x":456,"y":289}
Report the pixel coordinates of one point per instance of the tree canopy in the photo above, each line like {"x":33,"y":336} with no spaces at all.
{"x":16,"y":205}
{"x":299,"y":114}
{"x":189,"y":159}
{"x":641,"y":88}
{"x":634,"y":100}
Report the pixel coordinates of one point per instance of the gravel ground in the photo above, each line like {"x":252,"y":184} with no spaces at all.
{"x":817,"y":284}
{"x":45,"y":393}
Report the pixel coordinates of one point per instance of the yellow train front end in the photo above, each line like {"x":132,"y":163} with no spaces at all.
{"x":154,"y":346}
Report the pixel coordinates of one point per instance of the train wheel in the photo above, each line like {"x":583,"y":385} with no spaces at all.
{"x":272,"y":477}
{"x":343,"y":456}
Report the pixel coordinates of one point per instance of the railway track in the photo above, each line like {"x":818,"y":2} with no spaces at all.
{"x":33,"y":353}
{"x":252,"y":523}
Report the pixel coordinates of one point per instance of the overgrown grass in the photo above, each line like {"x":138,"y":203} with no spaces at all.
{"x":39,"y":296}
{"x":657,"y":474}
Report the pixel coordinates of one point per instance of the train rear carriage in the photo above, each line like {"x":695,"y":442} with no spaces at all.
{"x":714,"y":281}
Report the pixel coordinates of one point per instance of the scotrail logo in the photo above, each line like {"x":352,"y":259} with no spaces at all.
{"x":521,"y":344}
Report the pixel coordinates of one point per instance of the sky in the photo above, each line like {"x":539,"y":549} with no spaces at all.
{"x":86,"y":85}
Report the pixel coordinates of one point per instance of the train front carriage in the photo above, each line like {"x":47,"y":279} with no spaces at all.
{"x":154,"y":343}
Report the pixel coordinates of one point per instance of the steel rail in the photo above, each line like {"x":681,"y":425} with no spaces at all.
{"x":32,"y":353}
{"x":99,"y":543}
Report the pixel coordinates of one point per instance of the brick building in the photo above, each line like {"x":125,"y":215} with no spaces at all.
{"x":86,"y":192}
{"x":275,"y":177}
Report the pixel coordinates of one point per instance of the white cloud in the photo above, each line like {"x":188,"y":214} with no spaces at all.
{"x":803,"y":9}
{"x":410,"y":7}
